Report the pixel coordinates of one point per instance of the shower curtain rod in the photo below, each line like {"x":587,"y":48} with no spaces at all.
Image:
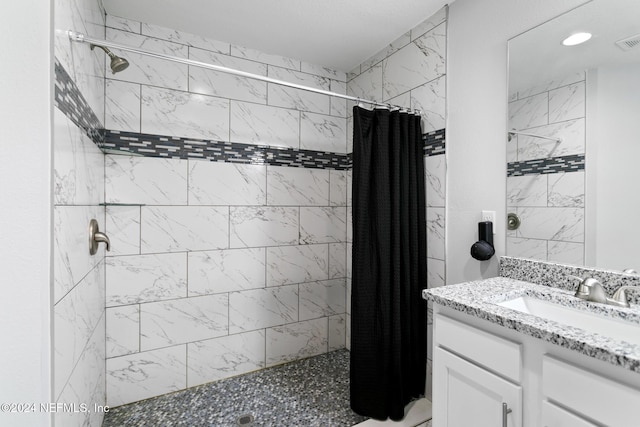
{"x":517,"y":132}
{"x":81,"y":38}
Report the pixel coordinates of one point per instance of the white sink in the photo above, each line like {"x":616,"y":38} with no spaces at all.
{"x":589,"y":322}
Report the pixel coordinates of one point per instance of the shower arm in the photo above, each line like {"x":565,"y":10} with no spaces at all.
{"x":81,"y":38}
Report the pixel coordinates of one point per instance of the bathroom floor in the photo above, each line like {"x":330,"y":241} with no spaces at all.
{"x":309,"y":392}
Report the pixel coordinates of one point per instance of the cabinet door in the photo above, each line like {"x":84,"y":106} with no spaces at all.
{"x":554,"y":416}
{"x":467,"y":395}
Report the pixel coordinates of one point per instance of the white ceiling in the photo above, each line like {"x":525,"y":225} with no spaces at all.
{"x":538,"y":55}
{"x":337,"y":34}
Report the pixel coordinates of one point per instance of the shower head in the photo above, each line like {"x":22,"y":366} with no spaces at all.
{"x":117,"y":64}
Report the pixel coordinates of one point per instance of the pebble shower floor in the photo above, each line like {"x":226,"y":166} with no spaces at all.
{"x":309,"y":392}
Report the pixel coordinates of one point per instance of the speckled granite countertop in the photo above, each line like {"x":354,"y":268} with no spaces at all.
{"x":480,"y":299}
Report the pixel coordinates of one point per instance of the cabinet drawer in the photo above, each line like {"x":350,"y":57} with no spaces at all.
{"x":555,"y":416}
{"x":596,"y":397}
{"x":498,"y":354}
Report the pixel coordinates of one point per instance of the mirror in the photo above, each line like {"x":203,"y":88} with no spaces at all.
{"x":573,"y":145}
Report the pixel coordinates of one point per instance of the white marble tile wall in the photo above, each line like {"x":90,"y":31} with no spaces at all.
{"x":79,"y":284}
{"x":223,"y":269}
{"x":160,"y":97}
{"x":550,"y":206}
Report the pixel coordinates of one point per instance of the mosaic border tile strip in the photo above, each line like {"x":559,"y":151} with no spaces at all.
{"x":220,"y":151}
{"x":69,"y":100}
{"x":559,"y":164}
{"x":308,"y":392}
{"x":434,"y":142}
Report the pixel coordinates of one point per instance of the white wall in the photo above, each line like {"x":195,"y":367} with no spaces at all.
{"x":25,"y":212}
{"x":613,"y":211}
{"x":477,"y":120}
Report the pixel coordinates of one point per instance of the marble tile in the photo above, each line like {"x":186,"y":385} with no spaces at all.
{"x":323,"y":225}
{"x":228,"y":270}
{"x":225,"y":357}
{"x":283,"y":96}
{"x":179,"y":321}
{"x":430,"y":98}
{"x":262,"y":308}
{"x":183,"y":228}
{"x":142,"y":278}
{"x":338,"y":189}
{"x":564,"y":224}
{"x":349,"y":258}
{"x":387,"y":51}
{"x":528,"y":190}
{"x":122,"y":106}
{"x":338,"y":105}
{"x":321,"y":71}
{"x":435,"y":233}
{"x":353,"y":73}
{"x":123,"y":330}
{"x":217,"y":183}
{"x":86,"y":384}
{"x":416,"y":64}
{"x":337,"y":260}
{"x":550,"y":85}
{"x":350,"y":135}
{"x":142,"y":375}
{"x":566,"y":103}
{"x":435,"y":169}
{"x":187,"y":115}
{"x":349,"y":188}
{"x":567,"y":189}
{"x":123,"y":24}
{"x":512,"y":149}
{"x":76,"y":317}
{"x":320,"y":132}
{"x":145,"y":180}
{"x":435,"y":273}
{"x":78,"y":165}
{"x":337,"y":332}
{"x":349,"y":224}
{"x":367,"y":85}
{"x":297,"y":186}
{"x":123,"y":228}
{"x":433,"y":21}
{"x":147,"y":70}
{"x":529,"y":112}
{"x":296,"y":341}
{"x":265,"y":58}
{"x":71,"y":259}
{"x":184,"y":38}
{"x":527,"y":248}
{"x":297,"y":264}
{"x":225,"y":85}
{"x":263,"y":226}
{"x":566,"y":252}
{"x":322,"y":298}
{"x":259,"y":124}
{"x":571,"y":132}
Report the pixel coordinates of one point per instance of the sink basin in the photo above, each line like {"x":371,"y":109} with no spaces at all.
{"x":589,"y":322}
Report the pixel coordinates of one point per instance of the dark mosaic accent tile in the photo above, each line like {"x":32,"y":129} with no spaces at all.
{"x":309,"y":392}
{"x":434,"y":142}
{"x":221,"y":151}
{"x":69,"y":100}
{"x":559,"y":164}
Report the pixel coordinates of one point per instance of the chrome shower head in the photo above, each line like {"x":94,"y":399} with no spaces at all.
{"x":117,"y":64}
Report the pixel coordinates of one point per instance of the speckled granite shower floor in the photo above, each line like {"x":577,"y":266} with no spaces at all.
{"x":309,"y":392}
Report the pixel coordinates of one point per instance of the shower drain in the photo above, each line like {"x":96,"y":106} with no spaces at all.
{"x":245,"y":420}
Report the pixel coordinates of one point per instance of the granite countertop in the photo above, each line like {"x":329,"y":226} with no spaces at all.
{"x":480,"y":299}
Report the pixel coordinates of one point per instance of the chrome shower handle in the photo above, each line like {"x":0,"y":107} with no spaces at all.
{"x":95,"y":237}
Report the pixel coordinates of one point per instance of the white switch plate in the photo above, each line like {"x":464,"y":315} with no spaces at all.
{"x":490,"y":216}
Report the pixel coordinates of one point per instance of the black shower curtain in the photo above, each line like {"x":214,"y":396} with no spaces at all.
{"x":388,"y":314}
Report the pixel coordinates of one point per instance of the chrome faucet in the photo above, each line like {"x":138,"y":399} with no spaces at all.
{"x":590,"y":289}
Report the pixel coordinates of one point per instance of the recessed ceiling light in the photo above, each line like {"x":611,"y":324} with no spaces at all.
{"x":576,"y":38}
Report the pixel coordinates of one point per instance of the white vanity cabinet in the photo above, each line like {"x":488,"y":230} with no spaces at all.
{"x":488,"y":375}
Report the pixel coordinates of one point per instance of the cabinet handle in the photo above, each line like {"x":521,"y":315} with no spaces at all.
{"x":505,"y":411}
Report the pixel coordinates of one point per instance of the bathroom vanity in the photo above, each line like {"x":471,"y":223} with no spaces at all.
{"x":510,"y":352}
